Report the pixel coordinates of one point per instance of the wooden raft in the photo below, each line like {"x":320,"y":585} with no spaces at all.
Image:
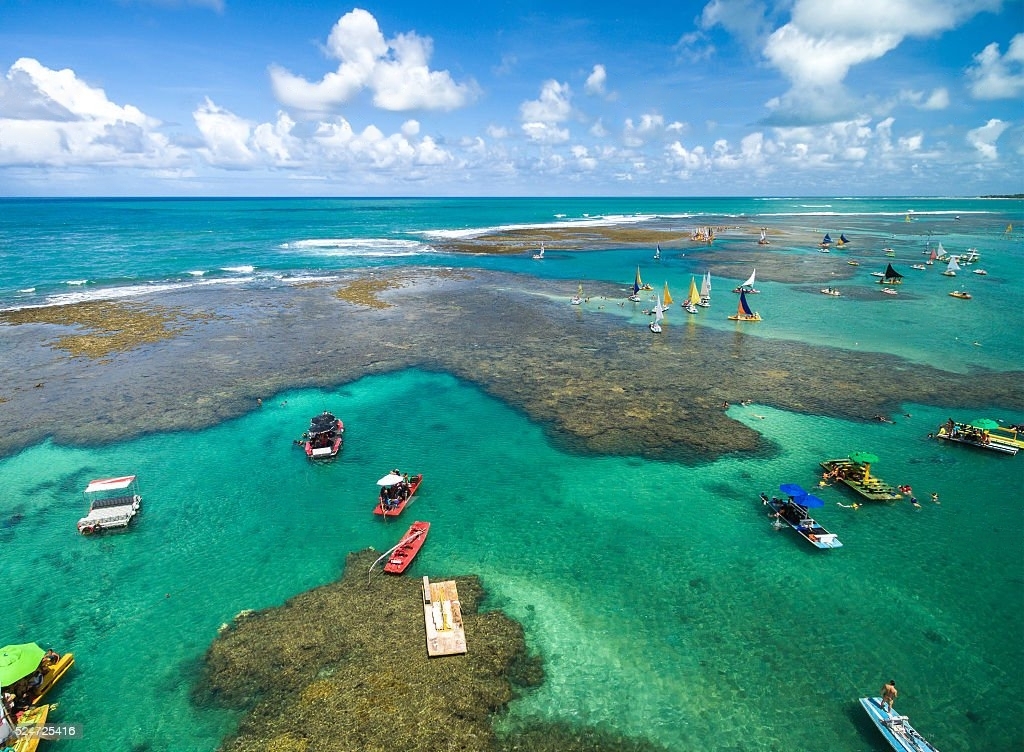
{"x":442,"y":615}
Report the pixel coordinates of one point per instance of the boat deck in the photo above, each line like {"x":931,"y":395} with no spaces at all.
{"x":895,"y":728}
{"x":977,"y":438}
{"x":442,"y":615}
{"x":872,"y":489}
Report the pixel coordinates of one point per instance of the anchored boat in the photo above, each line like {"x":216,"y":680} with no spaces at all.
{"x":396,"y":493}
{"x":113,"y":502}
{"x":895,"y":728}
{"x":793,"y":512}
{"x":743,"y":312}
{"x":407,"y":548}
{"x":324,"y":438}
{"x":855,"y":472}
{"x":982,"y":433}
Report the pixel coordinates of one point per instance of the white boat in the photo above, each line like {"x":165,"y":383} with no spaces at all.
{"x":113,"y":502}
{"x":578,"y":297}
{"x":970,"y":257}
{"x":659,"y":316}
{"x":657,"y":252}
{"x":539,"y":254}
{"x":830,"y":291}
{"x":889,"y":291}
{"x":705,"y":291}
{"x":952,"y":268}
{"x":889,"y":252}
{"x":895,"y":728}
{"x":919,"y":267}
{"x":980,"y":272}
{"x":877,"y":274}
{"x":764,"y":237}
{"x":748,"y":285}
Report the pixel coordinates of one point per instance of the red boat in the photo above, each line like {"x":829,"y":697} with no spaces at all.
{"x":395,"y":496}
{"x":324,"y":438}
{"x":407,"y":548}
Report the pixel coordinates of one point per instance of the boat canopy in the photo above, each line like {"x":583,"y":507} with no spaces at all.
{"x":110,"y":484}
{"x":323,"y":423}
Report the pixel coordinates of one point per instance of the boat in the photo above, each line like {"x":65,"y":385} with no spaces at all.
{"x":1008,"y":231}
{"x":53,"y":671}
{"x":539,"y":254}
{"x":853,"y":262}
{"x":666,"y":296}
{"x":877,"y":274}
{"x":962,"y":294}
{"x":323,"y":438}
{"x":396,"y":493}
{"x":657,"y":252}
{"x":639,"y":284}
{"x":940,"y":253}
{"x":932,"y":256}
{"x":825,"y":241}
{"x":578,"y":297}
{"x":113,"y":502}
{"x":705,"y":291}
{"x":889,"y":291}
{"x":24,"y":732}
{"x":889,"y":252}
{"x":442,"y":618}
{"x":952,"y":268}
{"x":891,"y":276}
{"x":980,"y":272}
{"x":986,"y":435}
{"x":831,"y":291}
{"x":764,"y":237}
{"x":895,"y":728}
{"x":919,"y":267}
{"x":748,"y":285}
{"x":855,"y":473}
{"x":792,"y":511}
{"x":659,"y":316}
{"x":743,"y":312}
{"x":407,"y":548}
{"x":968,"y":258}
{"x":842,"y":240}
{"x":693,"y":299}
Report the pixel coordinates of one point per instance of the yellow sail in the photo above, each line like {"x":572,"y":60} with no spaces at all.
{"x":1009,"y":229}
{"x":694,"y":296}
{"x":667,"y":297}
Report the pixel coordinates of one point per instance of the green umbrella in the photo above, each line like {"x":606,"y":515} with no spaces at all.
{"x":864,"y":458}
{"x":18,"y":661}
{"x":985,"y":424}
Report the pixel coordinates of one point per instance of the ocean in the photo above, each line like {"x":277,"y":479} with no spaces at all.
{"x":661,"y":599}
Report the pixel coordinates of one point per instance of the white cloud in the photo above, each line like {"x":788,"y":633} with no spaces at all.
{"x":998,"y":77}
{"x":397,"y":72}
{"x":596,"y":81}
{"x":497,"y":131}
{"x":635,"y":135}
{"x":597,"y":130}
{"x":50,"y":117}
{"x":540,"y":117}
{"x":984,"y":139}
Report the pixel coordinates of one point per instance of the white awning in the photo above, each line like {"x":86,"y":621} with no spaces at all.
{"x":110,"y":484}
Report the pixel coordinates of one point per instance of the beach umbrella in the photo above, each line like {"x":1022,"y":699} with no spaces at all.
{"x":864,"y":458}
{"x":389,"y":480}
{"x":18,"y":661}
{"x":792,"y":489}
{"x":985,"y":424}
{"x":810,"y":501}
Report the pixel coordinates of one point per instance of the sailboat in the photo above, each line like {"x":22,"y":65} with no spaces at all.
{"x":539,"y":254}
{"x":842,"y":239}
{"x":667,"y":296}
{"x":764,"y":237}
{"x":635,"y":297}
{"x":890,"y":276}
{"x":657,"y":253}
{"x":693,"y":299}
{"x":743,"y":312}
{"x":1009,"y":230}
{"x":705,"y":291}
{"x":825,"y":241}
{"x":639,"y":284}
{"x":952,"y":268}
{"x":748,"y":286}
{"x":932,"y":256}
{"x":578,"y":297}
{"x":659,"y":316}
{"x":941,"y":254}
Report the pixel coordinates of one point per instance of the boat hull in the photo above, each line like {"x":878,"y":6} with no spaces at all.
{"x":895,"y":728}
{"x":414,"y":485}
{"x":52,"y":675}
{"x":29,"y":742}
{"x":409,"y":546}
{"x":961,"y":437}
{"x":797,"y":518}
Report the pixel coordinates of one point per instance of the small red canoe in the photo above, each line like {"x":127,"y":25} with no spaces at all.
{"x":396,"y":506}
{"x":408,"y":547}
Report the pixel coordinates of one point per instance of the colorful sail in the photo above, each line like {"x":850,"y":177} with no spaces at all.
{"x":694,"y":296}
{"x":637,"y":283}
{"x":667,"y":296}
{"x":843,"y":240}
{"x":743,"y":309}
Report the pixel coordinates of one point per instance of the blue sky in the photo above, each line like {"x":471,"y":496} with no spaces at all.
{"x":729,"y":97}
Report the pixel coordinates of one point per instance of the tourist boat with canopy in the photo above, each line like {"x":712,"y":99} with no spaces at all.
{"x":323,"y":438}
{"x":855,"y":473}
{"x":792,"y":511}
{"x":983,"y":433}
{"x":748,"y":285}
{"x":27,"y":673}
{"x":396,"y":493}
{"x":113,"y":503}
{"x":895,"y":728}
{"x":743,"y":312}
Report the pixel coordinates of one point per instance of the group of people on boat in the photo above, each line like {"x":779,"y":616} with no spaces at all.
{"x":393,"y":495}
{"x":17,"y":697}
{"x":965,"y":432}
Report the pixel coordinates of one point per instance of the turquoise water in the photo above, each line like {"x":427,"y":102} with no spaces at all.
{"x":662,"y":600}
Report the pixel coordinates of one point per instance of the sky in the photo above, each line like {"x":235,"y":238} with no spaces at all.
{"x":511,"y":98}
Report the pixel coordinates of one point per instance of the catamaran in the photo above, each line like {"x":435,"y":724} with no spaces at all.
{"x":659,"y":316}
{"x":693,"y":299}
{"x":743,"y":312}
{"x":842,"y":240}
{"x":705,"y":291}
{"x":748,"y":286}
{"x":952,"y":268}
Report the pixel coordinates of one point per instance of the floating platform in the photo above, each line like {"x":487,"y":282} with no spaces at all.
{"x":442,"y":616}
{"x":852,"y":475}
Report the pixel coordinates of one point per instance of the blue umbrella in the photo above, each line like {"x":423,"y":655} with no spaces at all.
{"x":810,"y":501}
{"x":792,"y":489}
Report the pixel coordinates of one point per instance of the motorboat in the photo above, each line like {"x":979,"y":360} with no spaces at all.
{"x":396,"y":493}
{"x":831,"y":291}
{"x":895,"y":728}
{"x":792,"y":511}
{"x":407,"y":548}
{"x":324,"y":437}
{"x":962,"y":294}
{"x":113,"y":503}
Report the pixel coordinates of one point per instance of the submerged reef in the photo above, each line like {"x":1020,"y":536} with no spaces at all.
{"x":344,"y":667}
